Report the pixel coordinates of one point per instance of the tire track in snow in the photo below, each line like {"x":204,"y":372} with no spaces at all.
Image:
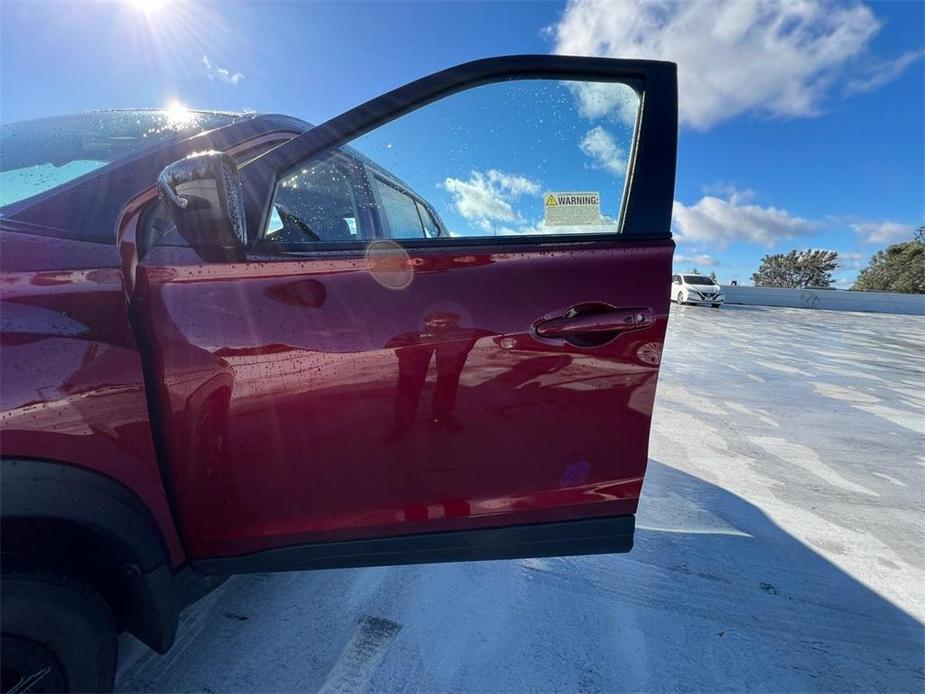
{"x":356,"y":666}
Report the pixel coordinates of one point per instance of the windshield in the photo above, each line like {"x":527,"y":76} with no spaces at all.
{"x":39,"y":155}
{"x":698,"y":279}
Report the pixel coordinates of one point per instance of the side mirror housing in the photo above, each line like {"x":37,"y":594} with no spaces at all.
{"x":202,"y":195}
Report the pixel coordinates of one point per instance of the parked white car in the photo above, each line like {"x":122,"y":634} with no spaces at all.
{"x":695,"y":289}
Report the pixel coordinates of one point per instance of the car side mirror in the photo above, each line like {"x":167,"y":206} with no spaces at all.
{"x":202,"y":195}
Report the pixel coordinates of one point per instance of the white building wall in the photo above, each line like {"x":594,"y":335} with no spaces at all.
{"x":828,"y":299}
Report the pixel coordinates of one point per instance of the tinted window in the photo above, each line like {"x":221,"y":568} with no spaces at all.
{"x":316,"y":203}
{"x":400,"y":212}
{"x":698,"y":279}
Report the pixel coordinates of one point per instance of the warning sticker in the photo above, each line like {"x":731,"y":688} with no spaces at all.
{"x":572,"y":208}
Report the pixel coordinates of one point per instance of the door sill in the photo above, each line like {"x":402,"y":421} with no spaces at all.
{"x":613,"y":535}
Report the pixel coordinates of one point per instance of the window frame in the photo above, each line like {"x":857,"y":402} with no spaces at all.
{"x":649,"y":190}
{"x":424,"y":208}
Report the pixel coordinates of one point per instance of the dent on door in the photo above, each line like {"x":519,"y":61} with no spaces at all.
{"x":497,"y":376}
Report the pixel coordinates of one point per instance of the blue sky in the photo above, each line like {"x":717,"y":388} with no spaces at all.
{"x":512,"y":144}
{"x":801,"y":127}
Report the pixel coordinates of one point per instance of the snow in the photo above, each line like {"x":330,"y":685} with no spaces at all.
{"x":779,"y":548}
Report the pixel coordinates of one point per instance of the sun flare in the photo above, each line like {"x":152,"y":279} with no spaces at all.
{"x":178,"y":114}
{"x":149,"y":7}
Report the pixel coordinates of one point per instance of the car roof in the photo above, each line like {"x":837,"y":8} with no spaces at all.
{"x":87,"y":207}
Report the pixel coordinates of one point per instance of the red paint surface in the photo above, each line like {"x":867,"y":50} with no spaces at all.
{"x":72,"y":385}
{"x":306,"y":400}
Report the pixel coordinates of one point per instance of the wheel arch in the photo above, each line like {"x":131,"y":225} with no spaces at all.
{"x":67,"y":519}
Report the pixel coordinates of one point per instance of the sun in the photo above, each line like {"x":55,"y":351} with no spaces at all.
{"x":178,"y":114}
{"x":148,"y":7}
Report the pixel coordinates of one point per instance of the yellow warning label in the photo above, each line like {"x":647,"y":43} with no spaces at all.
{"x":551,"y":200}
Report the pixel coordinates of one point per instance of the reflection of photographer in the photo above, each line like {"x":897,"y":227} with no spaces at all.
{"x":441,"y":336}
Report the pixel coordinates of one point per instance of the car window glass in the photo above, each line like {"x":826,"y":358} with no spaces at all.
{"x":37,"y":156}
{"x":400,"y":212}
{"x":538,"y":157}
{"x":698,"y":279}
{"x":316,"y":203}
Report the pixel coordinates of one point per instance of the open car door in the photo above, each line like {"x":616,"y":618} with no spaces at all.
{"x":442,"y":337}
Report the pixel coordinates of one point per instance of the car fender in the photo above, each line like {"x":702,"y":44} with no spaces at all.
{"x":62,"y":517}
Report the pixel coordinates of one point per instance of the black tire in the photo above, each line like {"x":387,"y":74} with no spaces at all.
{"x":58,"y":635}
{"x":716,"y":305}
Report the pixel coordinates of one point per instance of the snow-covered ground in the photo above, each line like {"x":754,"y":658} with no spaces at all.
{"x":780,"y":547}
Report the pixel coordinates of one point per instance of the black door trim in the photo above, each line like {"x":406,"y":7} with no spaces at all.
{"x":611,"y":535}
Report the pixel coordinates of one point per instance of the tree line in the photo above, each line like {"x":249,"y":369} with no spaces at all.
{"x":897,"y":268}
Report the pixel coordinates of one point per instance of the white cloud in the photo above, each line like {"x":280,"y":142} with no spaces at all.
{"x":884,"y":232}
{"x":730,"y":191}
{"x":770,"y":57}
{"x":721,"y":222}
{"x":485,"y":198}
{"x":701,"y":259}
{"x":539,"y":228}
{"x":607,"y":99}
{"x":851,"y":260}
{"x":513,"y":184}
{"x":213,"y":72}
{"x":603,"y":149}
{"x":879,"y":72}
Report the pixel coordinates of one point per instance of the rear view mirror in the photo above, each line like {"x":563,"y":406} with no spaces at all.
{"x":202,"y":195}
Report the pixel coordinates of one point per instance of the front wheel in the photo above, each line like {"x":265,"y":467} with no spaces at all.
{"x":58,"y":635}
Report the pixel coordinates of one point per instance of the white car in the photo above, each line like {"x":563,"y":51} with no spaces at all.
{"x":695,"y":289}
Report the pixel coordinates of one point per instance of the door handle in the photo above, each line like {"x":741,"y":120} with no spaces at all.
{"x":610,"y":321}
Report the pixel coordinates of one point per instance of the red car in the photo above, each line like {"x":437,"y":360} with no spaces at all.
{"x":427,"y":330}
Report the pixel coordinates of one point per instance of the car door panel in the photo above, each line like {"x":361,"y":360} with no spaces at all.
{"x":393,"y":401}
{"x":326,"y":424}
